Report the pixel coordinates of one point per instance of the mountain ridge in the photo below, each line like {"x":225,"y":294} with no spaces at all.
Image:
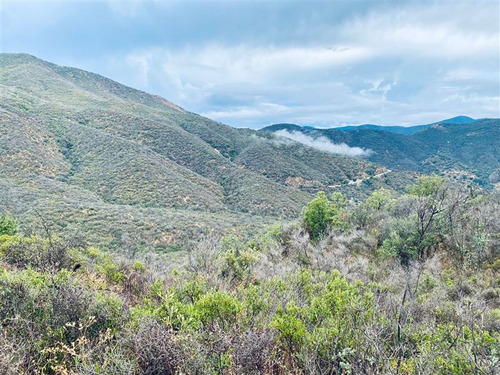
{"x":135,"y":152}
{"x":389,"y":128}
{"x":466,"y":150}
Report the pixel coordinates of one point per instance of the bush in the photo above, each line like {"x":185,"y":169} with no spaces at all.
{"x":218,"y":306}
{"x":8,"y":225}
{"x":41,"y":254}
{"x":321,"y":214}
{"x":155,"y":348}
{"x":426,"y":186}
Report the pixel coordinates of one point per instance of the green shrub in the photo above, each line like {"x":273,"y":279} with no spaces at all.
{"x":218,"y":306}
{"x":380,"y":199}
{"x":321,"y":214}
{"x":238,"y":264}
{"x":290,"y":327}
{"x":8,"y":225}
{"x":42,"y":254}
{"x":426,"y":186}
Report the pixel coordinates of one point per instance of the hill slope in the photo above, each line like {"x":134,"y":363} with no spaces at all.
{"x":75,"y":142}
{"x":460,"y":148}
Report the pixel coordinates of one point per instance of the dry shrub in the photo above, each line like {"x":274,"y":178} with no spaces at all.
{"x":155,"y":348}
{"x":203,"y":258}
{"x":13,"y":359}
{"x":345,"y":252}
{"x":43,"y":255}
{"x":253,"y":352}
{"x":137,"y":283}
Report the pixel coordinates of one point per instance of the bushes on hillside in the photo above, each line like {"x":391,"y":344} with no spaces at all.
{"x":405,"y":299}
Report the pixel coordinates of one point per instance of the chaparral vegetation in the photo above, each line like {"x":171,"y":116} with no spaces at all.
{"x":405,"y":284}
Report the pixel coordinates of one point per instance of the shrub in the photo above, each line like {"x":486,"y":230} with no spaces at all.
{"x":41,"y":254}
{"x":321,"y":214}
{"x":379,"y":199}
{"x":426,"y":186}
{"x":218,"y":306}
{"x":155,"y":348}
{"x":8,"y":225}
{"x":239,"y":264}
{"x":291,"y":329}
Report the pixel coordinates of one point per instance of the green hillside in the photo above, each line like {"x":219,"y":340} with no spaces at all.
{"x":463,"y":151}
{"x":406,"y":285}
{"x":408,"y":129}
{"x":77,"y":145}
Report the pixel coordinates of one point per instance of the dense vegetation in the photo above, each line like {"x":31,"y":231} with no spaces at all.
{"x":409,"y":129}
{"x":406,"y":285}
{"x":463,"y":149}
{"x":139,"y":238}
{"x":92,"y":154}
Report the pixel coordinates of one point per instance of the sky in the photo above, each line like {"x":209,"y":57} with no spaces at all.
{"x":255,"y":63}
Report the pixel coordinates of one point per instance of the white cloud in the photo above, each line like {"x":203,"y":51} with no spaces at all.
{"x":213,"y":64}
{"x":392,"y":65}
{"x":397,"y":63}
{"x":324,"y":144}
{"x":380,"y":86}
{"x":445,"y":30}
{"x":259,"y":111}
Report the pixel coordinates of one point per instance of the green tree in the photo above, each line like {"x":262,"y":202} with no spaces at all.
{"x":338,"y":200}
{"x":8,"y":225}
{"x":416,"y":235}
{"x":426,"y":186}
{"x":338,"y":218}
{"x":379,"y":199}
{"x":317,"y":216}
{"x":402,"y":242}
{"x":320,"y":214}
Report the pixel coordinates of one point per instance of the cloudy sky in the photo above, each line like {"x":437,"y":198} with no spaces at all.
{"x":253,"y":63}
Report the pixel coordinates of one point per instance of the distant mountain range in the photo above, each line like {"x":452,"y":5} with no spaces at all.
{"x":407,"y":129}
{"x":461,"y":147}
{"x":77,"y":148}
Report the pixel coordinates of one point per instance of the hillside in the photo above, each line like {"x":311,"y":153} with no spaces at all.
{"x":462,"y":149}
{"x":406,"y":285}
{"x":77,"y":145}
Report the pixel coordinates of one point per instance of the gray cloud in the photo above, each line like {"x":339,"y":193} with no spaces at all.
{"x":402,"y":65}
{"x":324,"y":144}
{"x":314,"y":63}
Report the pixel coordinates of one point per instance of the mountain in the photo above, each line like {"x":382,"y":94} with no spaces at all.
{"x":409,"y":129}
{"x":391,"y":129}
{"x":456,"y":120}
{"x":461,"y":147}
{"x":400,"y":129}
{"x":76,"y":147}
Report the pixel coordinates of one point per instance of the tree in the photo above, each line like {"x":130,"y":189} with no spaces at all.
{"x":8,"y":225}
{"x":320,"y":214}
{"x":379,"y":199}
{"x":426,"y":186}
{"x":317,"y":216}
{"x":402,"y":241}
{"x":431,"y":194}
